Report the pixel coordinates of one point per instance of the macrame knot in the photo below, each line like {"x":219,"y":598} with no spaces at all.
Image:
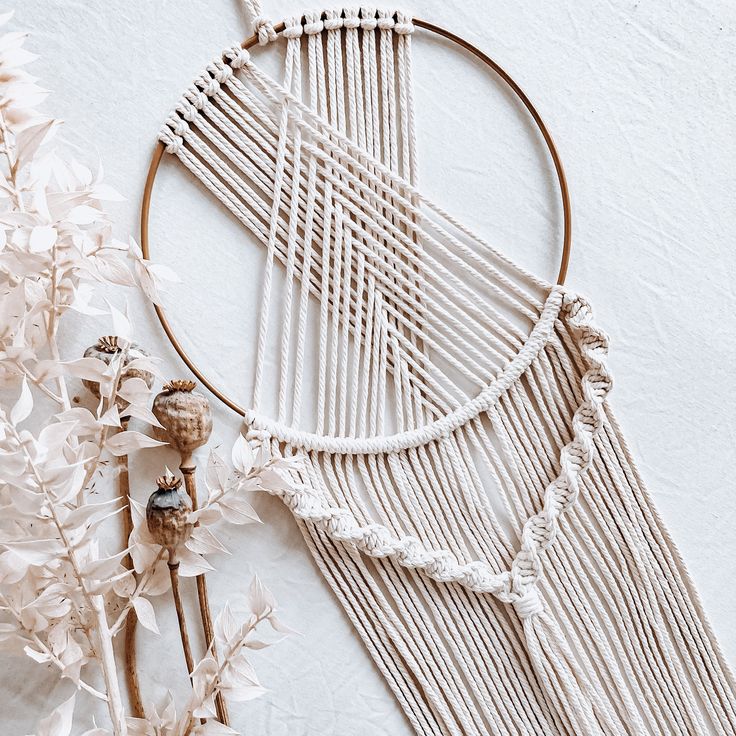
{"x":313,"y":23}
{"x":476,"y":577}
{"x":368,"y":20}
{"x":333,"y":21}
{"x":179,"y":126}
{"x":196,"y":97}
{"x":577,"y":309}
{"x":188,"y":111}
{"x":208,"y":85}
{"x":377,"y":541}
{"x":442,"y":566}
{"x":351,"y":19}
{"x":172,"y":142}
{"x":293,"y":29}
{"x":221,"y":72}
{"x":238,"y":57}
{"x":264,"y":28}
{"x":403,"y":24}
{"x":254,"y":433}
{"x":528,"y":604}
{"x":385,"y":20}
{"x":341,"y":524}
{"x":257,"y":435}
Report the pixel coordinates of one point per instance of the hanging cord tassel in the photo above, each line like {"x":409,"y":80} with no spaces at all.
{"x":263,"y":27}
{"x":567,"y":687}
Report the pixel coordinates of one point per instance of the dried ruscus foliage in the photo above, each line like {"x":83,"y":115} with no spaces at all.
{"x":64,"y":592}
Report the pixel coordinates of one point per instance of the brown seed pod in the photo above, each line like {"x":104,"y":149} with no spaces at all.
{"x":105,"y":349}
{"x":166,"y":515}
{"x":185,"y":414}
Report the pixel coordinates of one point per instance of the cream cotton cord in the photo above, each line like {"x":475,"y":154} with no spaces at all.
{"x":466,"y":491}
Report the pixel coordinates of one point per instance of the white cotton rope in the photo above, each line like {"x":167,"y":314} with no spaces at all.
{"x":466,"y":490}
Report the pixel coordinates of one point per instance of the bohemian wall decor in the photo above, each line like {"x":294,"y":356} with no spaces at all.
{"x":435,"y":418}
{"x":466,"y":490}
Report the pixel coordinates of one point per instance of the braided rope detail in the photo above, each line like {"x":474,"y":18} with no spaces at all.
{"x":540,"y":530}
{"x":516,"y":586}
{"x":375,"y":540}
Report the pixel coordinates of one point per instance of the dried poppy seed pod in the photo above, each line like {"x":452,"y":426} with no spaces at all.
{"x":186,"y":417}
{"x":166,"y":516}
{"x":105,"y":349}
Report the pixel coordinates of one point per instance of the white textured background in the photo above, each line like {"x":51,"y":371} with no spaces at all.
{"x":640,"y":96}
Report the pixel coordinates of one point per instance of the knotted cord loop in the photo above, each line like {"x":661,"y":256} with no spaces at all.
{"x":529,"y":603}
{"x":262,"y":26}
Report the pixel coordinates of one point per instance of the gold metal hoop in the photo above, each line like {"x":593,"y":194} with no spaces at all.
{"x":515,"y":88}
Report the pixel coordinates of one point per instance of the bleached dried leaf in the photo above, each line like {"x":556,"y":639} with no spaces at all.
{"x":242,"y":455}
{"x":226,"y":628}
{"x":244,"y":693}
{"x":83,"y":214}
{"x":281,"y":627}
{"x":111,"y":418}
{"x":217,"y":472}
{"x":111,"y":267}
{"x":146,"y":615}
{"x":124,"y":443}
{"x":204,"y":542}
{"x":274,"y":479}
{"x":104,"y":568}
{"x":260,"y":599}
{"x":24,"y":406}
{"x":237,"y":510}
{"x":147,"y":363}
{"x":106,"y":193}
{"x":52,"y":439}
{"x":120,"y":323}
{"x":82,"y":301}
{"x":143,"y":413}
{"x":160,"y":581}
{"x":43,"y":238}
{"x":87,"y":369}
{"x":134,"y":390}
{"x":29,"y":140}
{"x":191,"y":564}
{"x":59,"y":723}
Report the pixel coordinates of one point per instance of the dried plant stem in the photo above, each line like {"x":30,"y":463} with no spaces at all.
{"x":188,"y":470}
{"x":109,"y":668}
{"x":183,"y":631}
{"x":131,"y":622}
{"x":185,"y":643}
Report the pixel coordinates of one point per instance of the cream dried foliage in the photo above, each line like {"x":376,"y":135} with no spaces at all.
{"x":64,"y":596}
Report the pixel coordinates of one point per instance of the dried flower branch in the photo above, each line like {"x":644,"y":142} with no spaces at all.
{"x":63,"y":596}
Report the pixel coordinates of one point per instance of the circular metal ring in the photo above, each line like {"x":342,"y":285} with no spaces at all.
{"x":438,"y":30}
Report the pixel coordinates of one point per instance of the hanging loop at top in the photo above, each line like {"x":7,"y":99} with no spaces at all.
{"x":262,"y":26}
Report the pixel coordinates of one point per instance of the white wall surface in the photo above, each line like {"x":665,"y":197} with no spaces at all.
{"x":640,"y":96}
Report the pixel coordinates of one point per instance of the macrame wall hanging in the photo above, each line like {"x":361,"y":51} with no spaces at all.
{"x":467,"y":492}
